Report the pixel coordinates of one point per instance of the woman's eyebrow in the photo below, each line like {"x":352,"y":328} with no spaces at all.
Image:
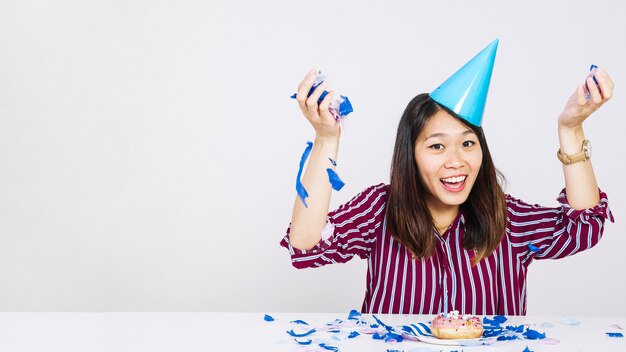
{"x":443,"y":134}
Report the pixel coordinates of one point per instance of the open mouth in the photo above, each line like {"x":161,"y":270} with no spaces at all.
{"x":454,"y":184}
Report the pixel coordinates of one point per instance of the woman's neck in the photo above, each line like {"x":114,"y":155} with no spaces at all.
{"x":443,"y":217}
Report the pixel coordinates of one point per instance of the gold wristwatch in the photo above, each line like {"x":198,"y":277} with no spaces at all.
{"x":583,"y":155}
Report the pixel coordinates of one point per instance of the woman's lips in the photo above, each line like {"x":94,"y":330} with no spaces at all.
{"x":454,"y":184}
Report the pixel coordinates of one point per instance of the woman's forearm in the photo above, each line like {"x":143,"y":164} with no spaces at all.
{"x":307,"y":223}
{"x":580,"y":179}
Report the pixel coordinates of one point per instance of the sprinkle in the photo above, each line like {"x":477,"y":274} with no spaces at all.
{"x":268,"y":317}
{"x":307,"y":342}
{"x":615,"y":334}
{"x":302,"y":193}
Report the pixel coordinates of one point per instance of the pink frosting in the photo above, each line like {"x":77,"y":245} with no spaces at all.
{"x":442,"y":322}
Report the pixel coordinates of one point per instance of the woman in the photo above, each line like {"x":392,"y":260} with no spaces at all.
{"x":443,"y":229}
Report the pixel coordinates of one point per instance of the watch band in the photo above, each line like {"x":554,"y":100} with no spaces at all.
{"x":583,"y":155}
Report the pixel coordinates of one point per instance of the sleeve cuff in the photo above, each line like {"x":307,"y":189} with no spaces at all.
{"x":600,"y":210}
{"x":324,"y":243}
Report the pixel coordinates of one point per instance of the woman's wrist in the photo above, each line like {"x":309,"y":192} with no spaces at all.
{"x":571,"y":139}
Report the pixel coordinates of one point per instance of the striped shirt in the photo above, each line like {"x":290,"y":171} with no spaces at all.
{"x":397,"y":283}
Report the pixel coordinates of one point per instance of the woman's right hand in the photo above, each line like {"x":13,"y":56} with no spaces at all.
{"x":323,"y":121}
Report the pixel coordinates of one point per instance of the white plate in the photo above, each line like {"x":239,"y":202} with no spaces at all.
{"x":464,"y":342}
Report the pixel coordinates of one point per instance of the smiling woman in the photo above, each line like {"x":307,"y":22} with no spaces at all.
{"x":443,"y":233}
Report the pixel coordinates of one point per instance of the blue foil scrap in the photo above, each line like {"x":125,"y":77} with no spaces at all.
{"x":336,"y":182}
{"x":294,"y":334}
{"x":340,"y":106}
{"x":533,"y":248}
{"x":302,"y":193}
{"x":307,"y":342}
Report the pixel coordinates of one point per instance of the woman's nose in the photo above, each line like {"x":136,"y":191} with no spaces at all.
{"x":454,"y":160}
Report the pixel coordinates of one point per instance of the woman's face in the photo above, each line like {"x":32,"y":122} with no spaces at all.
{"x":448,"y":157}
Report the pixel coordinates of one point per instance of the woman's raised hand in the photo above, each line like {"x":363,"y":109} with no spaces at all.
{"x":323,"y":121}
{"x":580,"y":105}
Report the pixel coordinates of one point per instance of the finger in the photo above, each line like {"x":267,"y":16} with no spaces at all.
{"x":605,"y":86}
{"x":594,"y":92}
{"x":311,"y":101}
{"x":325,"y":113}
{"x":607,"y":76}
{"x":304,"y":87}
{"x":581,"y":98}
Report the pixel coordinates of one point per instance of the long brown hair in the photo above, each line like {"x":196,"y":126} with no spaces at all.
{"x":408,"y":217}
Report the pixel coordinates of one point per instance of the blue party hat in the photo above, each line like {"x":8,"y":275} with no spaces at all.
{"x":465,"y":92}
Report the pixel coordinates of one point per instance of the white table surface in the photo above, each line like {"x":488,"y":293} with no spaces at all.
{"x":250,"y":332}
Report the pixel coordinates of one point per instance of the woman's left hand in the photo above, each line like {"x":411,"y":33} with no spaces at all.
{"x":579,"y":107}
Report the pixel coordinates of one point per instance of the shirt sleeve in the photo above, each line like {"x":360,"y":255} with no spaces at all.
{"x":351,"y":230}
{"x":538,"y":232}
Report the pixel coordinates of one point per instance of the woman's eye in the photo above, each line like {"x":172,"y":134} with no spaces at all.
{"x":437,"y":146}
{"x":468,"y":144}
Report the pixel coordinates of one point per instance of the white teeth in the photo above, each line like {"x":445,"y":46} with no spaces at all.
{"x":454,"y":179}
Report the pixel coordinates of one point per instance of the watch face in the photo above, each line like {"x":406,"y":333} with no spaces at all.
{"x":587,"y":149}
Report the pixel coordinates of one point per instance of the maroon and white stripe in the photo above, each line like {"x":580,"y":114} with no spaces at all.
{"x":397,"y":283}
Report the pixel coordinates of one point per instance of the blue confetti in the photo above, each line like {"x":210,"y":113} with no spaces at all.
{"x":394,"y":351}
{"x":334,"y":331}
{"x":300,"y":322}
{"x":379,"y":336}
{"x":302,"y":193}
{"x":387,"y":327}
{"x":615,"y":334}
{"x":307,"y":342}
{"x":334,"y":164}
{"x":334,"y":180}
{"x":515,"y":328}
{"x":353,"y":334}
{"x":533,"y":334}
{"x":328,"y":347}
{"x":527,"y":349}
{"x":496,"y":321}
{"x":293,"y":334}
{"x":354,"y":315}
{"x":374,"y":326}
{"x":533,"y":248}
{"x":394,"y":336}
{"x":268,"y":317}
{"x":507,"y":337}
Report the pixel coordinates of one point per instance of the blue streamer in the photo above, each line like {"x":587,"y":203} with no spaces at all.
{"x":293,"y":334}
{"x":533,"y":248}
{"x":268,"y":317}
{"x":307,"y":342}
{"x":334,"y":180}
{"x":615,"y":334}
{"x":302,"y":193}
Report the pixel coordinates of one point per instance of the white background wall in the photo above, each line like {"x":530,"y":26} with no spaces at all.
{"x":148,"y":149}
